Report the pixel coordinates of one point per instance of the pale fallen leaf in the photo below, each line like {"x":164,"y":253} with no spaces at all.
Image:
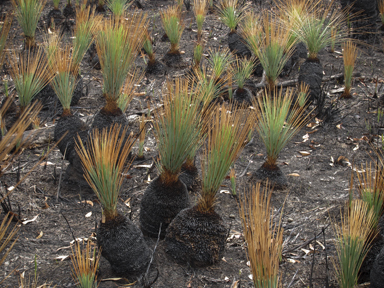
{"x":142,"y":166}
{"x":250,"y":276}
{"x":31,"y":220}
{"x":111,"y":279}
{"x":304,"y":153}
{"x":40,"y":235}
{"x":89,"y":214}
{"x":11,"y":188}
{"x":338,"y":126}
{"x":306,"y":251}
{"x":225,"y":191}
{"x":146,"y":149}
{"x":235,"y":284}
{"x":322,"y":246}
{"x":293,"y":260}
{"x":306,"y":137}
{"x":62,"y":257}
{"x":87,"y":202}
{"x":357,"y":147}
{"x":46,"y":163}
{"x":294,"y":175}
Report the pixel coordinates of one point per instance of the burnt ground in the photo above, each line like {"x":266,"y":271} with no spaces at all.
{"x":318,"y":185}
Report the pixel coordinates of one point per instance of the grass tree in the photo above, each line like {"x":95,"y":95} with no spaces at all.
{"x":200,"y":8}
{"x":85,"y":263}
{"x":349,"y":57}
{"x":264,"y":238}
{"x":231,"y":12}
{"x":30,"y":75}
{"x":87,"y":24}
{"x":269,"y":40}
{"x":198,"y":235}
{"x":104,"y":161}
{"x":118,"y":7}
{"x":177,"y":132}
{"x":241,"y":71}
{"x":353,"y":242}
{"x":219,"y":61}
{"x":277,"y":123}
{"x":117,"y":44}
{"x":197,"y":55}
{"x":28,"y":14}
{"x":153,"y":66}
{"x":173,"y":27}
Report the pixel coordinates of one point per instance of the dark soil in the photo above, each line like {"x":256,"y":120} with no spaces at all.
{"x":318,"y":185}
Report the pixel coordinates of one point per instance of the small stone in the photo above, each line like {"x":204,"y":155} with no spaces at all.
{"x":290,"y":220}
{"x":232,"y":216}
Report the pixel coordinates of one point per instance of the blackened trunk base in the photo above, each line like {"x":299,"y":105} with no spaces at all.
{"x":160,"y":204}
{"x":196,"y":238}
{"x":123,"y":245}
{"x":275,"y":177}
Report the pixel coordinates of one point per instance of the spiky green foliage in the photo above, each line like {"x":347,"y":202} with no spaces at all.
{"x":371,"y":190}
{"x":173,"y":26}
{"x":129,"y":89}
{"x":28,"y":14}
{"x":4,"y":35}
{"x":333,"y":39}
{"x":200,"y":11}
{"x":87,"y":24}
{"x":271,"y":47}
{"x":277,"y":123}
{"x":264,"y":238}
{"x":242,"y":70}
{"x":103,"y":161}
{"x":64,"y":81}
{"x":225,"y":139}
{"x":30,"y":75}
{"x":353,"y":242}
{"x":117,"y":45}
{"x":349,"y":57}
{"x":231,"y":13}
{"x":148,"y":47}
{"x":197,"y":54}
{"x":56,"y":4}
{"x":315,"y":28}
{"x":85,"y":263}
{"x":177,"y":129}
{"x":219,"y":61}
{"x":118,"y":7}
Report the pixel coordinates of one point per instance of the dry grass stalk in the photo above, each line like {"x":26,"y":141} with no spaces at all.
{"x":4,"y":35}
{"x":264,"y":238}
{"x":226,"y":137}
{"x":354,"y":239}
{"x":104,"y":161}
{"x":85,"y":263}
{"x":349,"y":57}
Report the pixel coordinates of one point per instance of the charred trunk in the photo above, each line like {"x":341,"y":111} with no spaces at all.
{"x":311,"y":74}
{"x":196,"y":237}
{"x":238,"y":46}
{"x":174,"y":60}
{"x":160,"y":204}
{"x":273,"y":175}
{"x":155,"y":68}
{"x":242,"y":96}
{"x":123,"y":245}
{"x":190,"y":177}
{"x":73,"y":126}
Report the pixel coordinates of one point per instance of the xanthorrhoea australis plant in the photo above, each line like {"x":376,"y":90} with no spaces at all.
{"x":278,"y":119}
{"x":104,"y":160}
{"x":28,"y":14}
{"x":264,"y":237}
{"x":197,"y":235}
{"x":177,"y":132}
{"x":349,"y":57}
{"x":30,"y":73}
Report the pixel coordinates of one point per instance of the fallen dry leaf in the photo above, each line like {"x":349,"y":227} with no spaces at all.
{"x":304,"y":153}
{"x":294,"y":175}
{"x":29,"y":221}
{"x":87,"y":202}
{"x":40,"y":235}
{"x":62,"y":257}
{"x":89,"y":214}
